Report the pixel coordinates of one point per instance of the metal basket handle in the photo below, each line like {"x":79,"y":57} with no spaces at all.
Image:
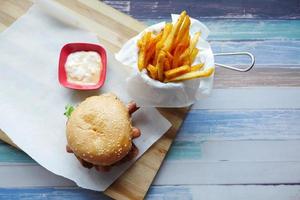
{"x":236,"y":68}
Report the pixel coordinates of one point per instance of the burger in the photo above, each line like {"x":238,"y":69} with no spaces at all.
{"x":100,"y":133}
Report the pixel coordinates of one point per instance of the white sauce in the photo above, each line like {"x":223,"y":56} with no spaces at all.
{"x":83,"y":67}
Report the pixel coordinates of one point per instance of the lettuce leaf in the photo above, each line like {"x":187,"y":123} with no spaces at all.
{"x":68,"y":110}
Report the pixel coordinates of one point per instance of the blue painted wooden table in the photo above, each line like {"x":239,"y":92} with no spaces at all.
{"x":242,"y":142}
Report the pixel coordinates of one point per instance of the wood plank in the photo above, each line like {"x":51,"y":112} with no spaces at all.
{"x":217,"y":192}
{"x":244,"y":172}
{"x":123,"y":6}
{"x":14,"y":10}
{"x":234,"y":150}
{"x":251,"y":156}
{"x":241,"y":29}
{"x":50,"y":193}
{"x":10,"y":154}
{"x":256,"y":98}
{"x":267,"y":53}
{"x":275,"y":76}
{"x":217,"y":9}
{"x":241,"y":124}
{"x":10,"y":10}
{"x":207,"y":192}
{"x":6,"y":20}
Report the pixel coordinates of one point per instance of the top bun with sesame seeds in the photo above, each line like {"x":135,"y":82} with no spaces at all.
{"x":99,"y":130}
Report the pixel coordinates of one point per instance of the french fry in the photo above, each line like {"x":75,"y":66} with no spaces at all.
{"x":142,"y":51}
{"x":141,"y":58}
{"x":166,"y":32}
{"x":146,"y":38}
{"x":153,"y":71}
{"x":158,"y":37}
{"x":197,"y":67}
{"x":183,"y":32}
{"x":184,"y":58}
{"x":192,"y":75}
{"x":160,"y":65}
{"x":168,"y":43}
{"x":140,"y":41}
{"x":178,"y":51}
{"x":172,"y":73}
{"x":194,"y":41}
{"x":149,"y":53}
{"x":186,"y":39}
{"x":168,"y":61}
{"x":193,"y":55}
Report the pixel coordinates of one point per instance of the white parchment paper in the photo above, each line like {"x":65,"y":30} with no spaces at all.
{"x":148,"y":92}
{"x":32,"y":100}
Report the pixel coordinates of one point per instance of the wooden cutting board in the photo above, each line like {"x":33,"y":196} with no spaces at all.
{"x":114,"y":29}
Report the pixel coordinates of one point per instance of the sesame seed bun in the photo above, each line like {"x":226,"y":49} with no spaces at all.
{"x":99,"y":130}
